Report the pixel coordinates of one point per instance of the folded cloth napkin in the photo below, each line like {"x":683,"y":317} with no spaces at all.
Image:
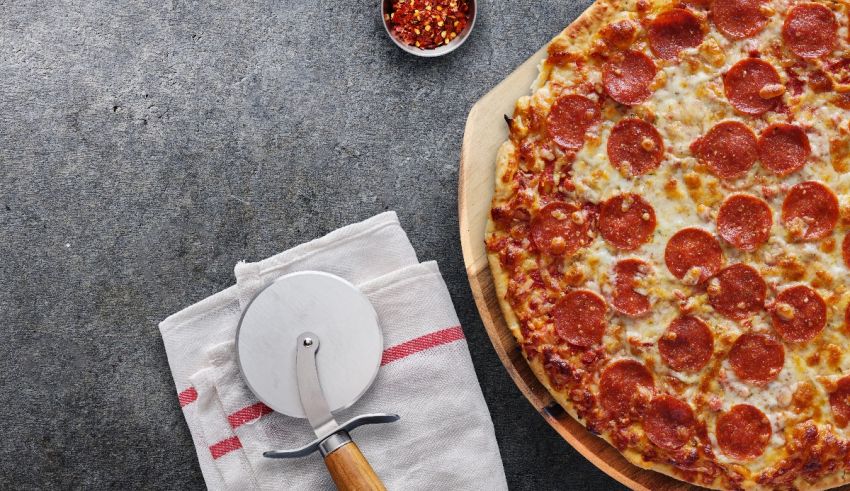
{"x":445,"y":437}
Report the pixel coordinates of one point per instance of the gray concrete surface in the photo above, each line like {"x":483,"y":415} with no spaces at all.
{"x":147,"y":146}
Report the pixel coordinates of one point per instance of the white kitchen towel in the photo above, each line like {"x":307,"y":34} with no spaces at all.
{"x":445,"y":438}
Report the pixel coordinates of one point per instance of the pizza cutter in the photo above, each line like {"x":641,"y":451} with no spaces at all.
{"x":309,"y":344}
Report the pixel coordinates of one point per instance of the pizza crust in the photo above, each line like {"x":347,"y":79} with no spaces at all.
{"x":580,"y":33}
{"x":500,"y":277}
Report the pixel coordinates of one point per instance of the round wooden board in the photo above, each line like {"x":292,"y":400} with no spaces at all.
{"x":484,"y":133}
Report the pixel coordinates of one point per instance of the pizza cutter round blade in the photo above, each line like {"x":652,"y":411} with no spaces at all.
{"x":307,"y":345}
{"x":333,"y":310}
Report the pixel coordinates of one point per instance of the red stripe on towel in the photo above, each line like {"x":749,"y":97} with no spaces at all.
{"x":188,"y":396}
{"x":225,"y":446}
{"x":248,"y":414}
{"x":428,"y":341}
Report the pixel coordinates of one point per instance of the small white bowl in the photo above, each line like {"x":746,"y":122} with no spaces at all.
{"x":386,"y":6}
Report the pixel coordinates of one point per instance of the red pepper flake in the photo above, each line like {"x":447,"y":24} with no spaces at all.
{"x":427,"y":24}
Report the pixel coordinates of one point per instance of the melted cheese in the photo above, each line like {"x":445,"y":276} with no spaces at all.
{"x":689,"y":99}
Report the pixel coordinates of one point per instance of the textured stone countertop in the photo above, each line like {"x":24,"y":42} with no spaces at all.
{"x":147,"y":146}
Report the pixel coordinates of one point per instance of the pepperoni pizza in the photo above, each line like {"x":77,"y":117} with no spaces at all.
{"x":670,"y":235}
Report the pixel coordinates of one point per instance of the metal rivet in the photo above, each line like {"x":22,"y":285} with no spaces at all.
{"x":308,"y":341}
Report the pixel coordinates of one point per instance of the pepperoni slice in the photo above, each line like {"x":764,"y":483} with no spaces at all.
{"x":673,"y":31}
{"x":728,"y":149}
{"x":691,"y":248}
{"x":628,"y":76}
{"x":560,"y":229}
{"x":751,"y":86}
{"x":744,"y":221}
{"x":669,"y":422}
{"x":625,"y":299}
{"x":742,"y":432}
{"x":839,"y":401}
{"x":783,"y":148}
{"x":687,"y":344}
{"x":737,"y":291}
{"x":579,"y":318}
{"x":635,"y":147}
{"x":810,"y":30}
{"x":799,"y":314}
{"x":570,"y":118}
{"x":738,"y":19}
{"x":845,"y":249}
{"x":625,"y":385}
{"x":757,"y":358}
{"x":626,"y":221}
{"x":810,"y":211}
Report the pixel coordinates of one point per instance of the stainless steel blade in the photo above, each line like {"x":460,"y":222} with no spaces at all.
{"x":310,"y":389}
{"x":330,"y":308}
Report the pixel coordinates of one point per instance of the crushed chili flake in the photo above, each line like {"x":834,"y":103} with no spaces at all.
{"x":427,"y":24}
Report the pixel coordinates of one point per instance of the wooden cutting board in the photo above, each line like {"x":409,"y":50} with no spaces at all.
{"x":485,"y":131}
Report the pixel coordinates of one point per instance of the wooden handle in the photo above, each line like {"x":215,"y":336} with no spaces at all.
{"x":351,"y":471}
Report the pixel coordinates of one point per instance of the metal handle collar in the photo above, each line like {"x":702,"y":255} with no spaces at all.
{"x":365,"y":419}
